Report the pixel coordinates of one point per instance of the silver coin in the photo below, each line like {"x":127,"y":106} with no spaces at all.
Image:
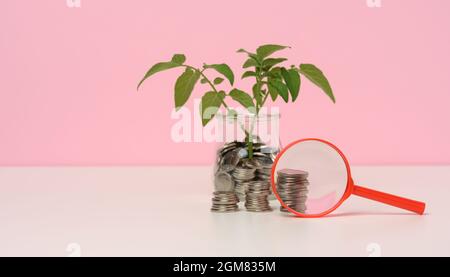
{"x":226,"y":198}
{"x":224,"y":206}
{"x":251,"y":163}
{"x":223,"y":182}
{"x":243,"y":153}
{"x":259,"y":210}
{"x":225,"y":201}
{"x":292,"y":187}
{"x":223,"y":193}
{"x":288,"y":172}
{"x":220,"y":204}
{"x":224,"y":211}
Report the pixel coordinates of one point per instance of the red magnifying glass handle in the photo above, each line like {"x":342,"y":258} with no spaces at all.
{"x":389,"y":199}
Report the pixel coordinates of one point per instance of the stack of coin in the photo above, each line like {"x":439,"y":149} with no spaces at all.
{"x":292,"y":187}
{"x":241,"y":189}
{"x":225,"y":201}
{"x":243,"y":174}
{"x":264,"y":171}
{"x":256,"y":196}
{"x":234,"y":163}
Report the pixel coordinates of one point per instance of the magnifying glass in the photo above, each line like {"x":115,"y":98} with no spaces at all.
{"x":311,"y":178}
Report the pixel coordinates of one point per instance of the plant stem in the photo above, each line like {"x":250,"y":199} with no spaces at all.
{"x":259,"y":84}
{"x":265,"y":99}
{"x":209,"y":82}
{"x":215,"y":90}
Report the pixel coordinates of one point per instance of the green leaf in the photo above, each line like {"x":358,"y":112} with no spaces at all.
{"x":266,"y":50}
{"x":268,"y":63}
{"x":157,"y":68}
{"x":275,"y":73}
{"x":223,"y":69}
{"x":257,"y":93}
{"x":272,"y":91}
{"x":243,"y":98}
{"x":281,"y":88}
{"x":218,"y":81}
{"x":203,"y":81}
{"x":210,"y":104}
{"x":292,"y":80}
{"x":250,"y":54}
{"x":179,"y":59}
{"x":248,"y":74}
{"x":316,"y":76}
{"x":184,"y":86}
{"x":249,"y":63}
{"x":242,"y":51}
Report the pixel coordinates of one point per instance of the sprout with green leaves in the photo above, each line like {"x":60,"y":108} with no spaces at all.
{"x":272,"y":80}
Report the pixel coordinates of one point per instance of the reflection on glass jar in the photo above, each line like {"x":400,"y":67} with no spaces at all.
{"x":247,"y":150}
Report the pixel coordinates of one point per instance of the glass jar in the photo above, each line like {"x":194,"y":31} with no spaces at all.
{"x":248,"y":145}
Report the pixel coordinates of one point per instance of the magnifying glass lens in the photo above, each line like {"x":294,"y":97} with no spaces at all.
{"x":310,"y":177}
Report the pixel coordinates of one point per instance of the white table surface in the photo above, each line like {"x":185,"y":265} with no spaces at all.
{"x":165,"y":211}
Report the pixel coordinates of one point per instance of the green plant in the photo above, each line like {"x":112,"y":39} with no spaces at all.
{"x":271,"y":81}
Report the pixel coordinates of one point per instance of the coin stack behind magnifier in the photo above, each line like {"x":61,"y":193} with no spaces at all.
{"x":292,"y":187}
{"x":225,"y":199}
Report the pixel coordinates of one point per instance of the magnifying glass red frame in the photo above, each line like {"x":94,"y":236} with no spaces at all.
{"x":351,"y":189}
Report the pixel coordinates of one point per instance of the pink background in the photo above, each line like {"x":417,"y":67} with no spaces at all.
{"x":68,"y":76}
